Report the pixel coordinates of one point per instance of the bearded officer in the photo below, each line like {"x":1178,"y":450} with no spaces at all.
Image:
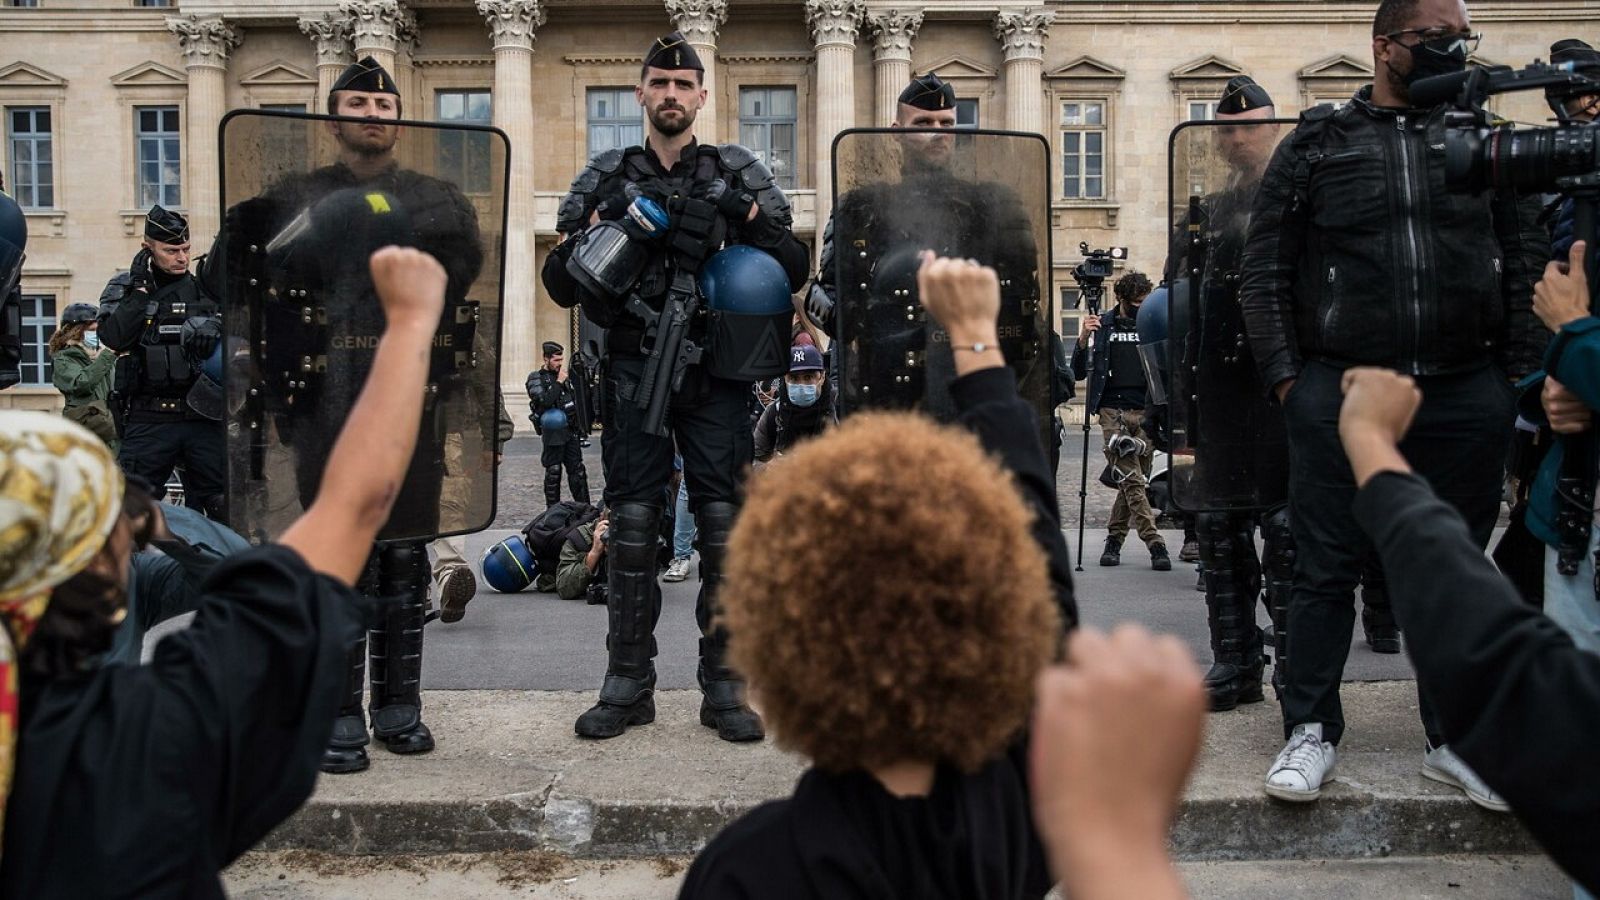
{"x":443,"y":223}
{"x":164,"y":323}
{"x":713,"y":195}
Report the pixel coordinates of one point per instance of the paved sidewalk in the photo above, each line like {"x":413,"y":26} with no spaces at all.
{"x":510,"y":775}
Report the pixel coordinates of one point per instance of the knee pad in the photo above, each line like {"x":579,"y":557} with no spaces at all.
{"x":634,"y":531}
{"x":714,"y":522}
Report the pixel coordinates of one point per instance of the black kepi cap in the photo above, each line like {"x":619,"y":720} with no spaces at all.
{"x":672,"y":51}
{"x":1242,"y":94}
{"x":929,"y":92}
{"x":165,"y":226}
{"x":1579,"y":53}
{"x":365,"y":74}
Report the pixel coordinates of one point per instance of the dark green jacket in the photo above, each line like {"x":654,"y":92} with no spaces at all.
{"x":82,"y":380}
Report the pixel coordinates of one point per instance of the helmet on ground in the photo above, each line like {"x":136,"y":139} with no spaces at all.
{"x":508,"y":566}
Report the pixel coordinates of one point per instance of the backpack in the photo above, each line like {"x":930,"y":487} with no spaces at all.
{"x":553,"y":528}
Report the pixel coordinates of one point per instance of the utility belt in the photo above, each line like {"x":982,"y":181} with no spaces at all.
{"x":164,"y":406}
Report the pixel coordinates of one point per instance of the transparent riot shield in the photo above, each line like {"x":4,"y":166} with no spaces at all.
{"x":1228,"y":446}
{"x":306,"y":200}
{"x":980,"y":195}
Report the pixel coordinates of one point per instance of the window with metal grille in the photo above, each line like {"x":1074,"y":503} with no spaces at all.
{"x":767,"y":126}
{"x":157,"y":133}
{"x":32,"y":167}
{"x":1083,"y":150}
{"x":464,"y":157}
{"x":38,"y":324}
{"x":615,"y":120}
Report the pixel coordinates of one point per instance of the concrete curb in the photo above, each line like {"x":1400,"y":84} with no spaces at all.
{"x":509,"y":776}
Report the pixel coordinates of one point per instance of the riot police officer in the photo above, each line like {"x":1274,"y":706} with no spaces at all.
{"x":13,"y":243}
{"x":676,"y":201}
{"x":1238,"y":477}
{"x":165,"y":325}
{"x":553,"y":405}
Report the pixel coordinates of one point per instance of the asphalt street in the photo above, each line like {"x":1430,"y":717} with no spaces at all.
{"x":533,"y":641}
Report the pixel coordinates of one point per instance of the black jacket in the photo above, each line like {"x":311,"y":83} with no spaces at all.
{"x":1093,"y":361}
{"x":782,"y":423}
{"x":1516,"y":699}
{"x":1359,"y":255}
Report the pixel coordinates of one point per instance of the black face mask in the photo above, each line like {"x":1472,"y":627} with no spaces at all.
{"x":1441,"y":56}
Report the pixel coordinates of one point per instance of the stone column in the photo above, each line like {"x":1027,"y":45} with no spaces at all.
{"x":834,"y":24}
{"x":331,"y":33}
{"x":205,"y":44}
{"x":893,"y":30}
{"x":1022,"y":35}
{"x":380,"y":29}
{"x":698,"y":21}
{"x":511,"y":29}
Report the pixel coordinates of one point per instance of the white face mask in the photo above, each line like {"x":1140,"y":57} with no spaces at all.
{"x":91,"y":339}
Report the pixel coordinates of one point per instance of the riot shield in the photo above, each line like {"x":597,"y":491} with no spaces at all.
{"x":981,"y":195}
{"x":1229,"y":450}
{"x":306,"y":200}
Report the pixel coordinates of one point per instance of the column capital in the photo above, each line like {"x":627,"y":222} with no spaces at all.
{"x":331,"y":33}
{"x":512,"y":23}
{"x":1022,"y":32}
{"x":379,"y":24}
{"x":835,"y":22}
{"x":698,"y":20}
{"x":893,"y":30}
{"x":203,"y":42}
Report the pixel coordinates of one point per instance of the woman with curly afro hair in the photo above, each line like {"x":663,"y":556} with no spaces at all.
{"x":893,"y":589}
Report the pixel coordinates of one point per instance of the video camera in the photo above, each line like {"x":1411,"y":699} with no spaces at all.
{"x":1480,"y":155}
{"x":1091,"y":274}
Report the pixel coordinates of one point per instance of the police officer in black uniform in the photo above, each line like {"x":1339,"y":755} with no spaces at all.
{"x":712,"y":195}
{"x":13,"y":243}
{"x":164,"y":323}
{"x":552,"y":389}
{"x":442,"y":222}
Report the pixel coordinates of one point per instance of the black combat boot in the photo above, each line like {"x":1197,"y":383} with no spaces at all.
{"x":633,"y":605}
{"x":347,"y":749}
{"x":1231,"y":586}
{"x":397,"y":650}
{"x":1377,"y":616}
{"x":1159,"y":560}
{"x":1112,"y":555}
{"x":723,"y":705}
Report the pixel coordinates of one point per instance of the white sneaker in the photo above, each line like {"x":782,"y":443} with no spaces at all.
{"x":678,"y":570}
{"x":1443,"y":765}
{"x":1298,"y":772}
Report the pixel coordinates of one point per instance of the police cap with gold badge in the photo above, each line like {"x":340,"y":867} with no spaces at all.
{"x":366,"y":75}
{"x":672,"y":52}
{"x":1242,"y":94}
{"x":929,"y":92}
{"x":165,"y":226}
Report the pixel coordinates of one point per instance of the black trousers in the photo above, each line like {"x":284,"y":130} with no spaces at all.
{"x":568,"y":454}
{"x":1457,"y":443}
{"x":151,"y":449}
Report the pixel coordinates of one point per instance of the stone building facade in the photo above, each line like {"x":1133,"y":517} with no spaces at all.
{"x":113,"y":104}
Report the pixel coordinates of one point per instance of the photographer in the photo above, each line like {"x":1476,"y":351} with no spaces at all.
{"x":1118,"y":395}
{"x":582,"y":570}
{"x":1358,"y":255}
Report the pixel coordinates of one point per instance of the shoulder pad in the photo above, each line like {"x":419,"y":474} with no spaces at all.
{"x":736,"y":156}
{"x":1319,"y":113}
{"x":581,"y":196}
{"x":116,"y":288}
{"x":607,"y":161}
{"x":775,"y":204}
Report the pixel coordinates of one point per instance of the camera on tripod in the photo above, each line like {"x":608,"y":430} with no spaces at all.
{"x":1091,"y":274}
{"x":1482,"y":155}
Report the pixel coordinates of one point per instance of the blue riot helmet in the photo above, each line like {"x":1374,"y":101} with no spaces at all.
{"x":553,"y":425}
{"x":610,"y":256}
{"x":508,"y":566}
{"x":13,"y":243}
{"x":333,"y":239}
{"x":1153,"y":323}
{"x":211,"y":367}
{"x":751,"y":308}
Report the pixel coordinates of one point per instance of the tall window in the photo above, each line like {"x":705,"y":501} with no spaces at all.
{"x":966,"y":113}
{"x":38,"y":324}
{"x":463,"y":157}
{"x":1202,"y":110}
{"x":160,"y":167}
{"x":615,"y":120}
{"x":767,"y":126}
{"x":1083,"y":150}
{"x":32,"y":172}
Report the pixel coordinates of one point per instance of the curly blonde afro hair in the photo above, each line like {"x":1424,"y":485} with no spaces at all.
{"x":885,"y":597}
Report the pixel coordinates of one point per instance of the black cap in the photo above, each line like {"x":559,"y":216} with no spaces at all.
{"x":166,"y":226}
{"x":1242,"y":94}
{"x":929,"y":92}
{"x":1579,"y":53}
{"x":365,"y":75}
{"x":672,"y":51}
{"x":551,"y":348}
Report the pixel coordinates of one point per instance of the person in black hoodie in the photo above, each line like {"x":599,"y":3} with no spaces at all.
{"x":892,"y":632}
{"x":801,"y":410}
{"x":1515,"y":697}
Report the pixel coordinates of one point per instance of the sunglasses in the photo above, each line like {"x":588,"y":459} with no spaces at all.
{"x":1441,"y":40}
